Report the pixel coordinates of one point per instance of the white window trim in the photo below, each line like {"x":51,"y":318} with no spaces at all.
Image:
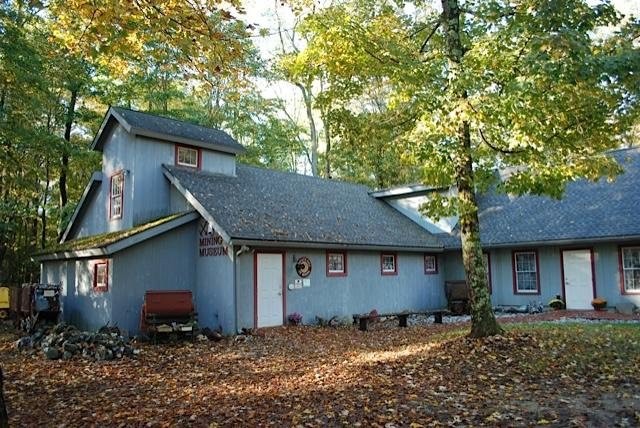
{"x":335,"y":272}
{"x":190,"y":149}
{"x":395,"y":264}
{"x":101,"y":286}
{"x":119,"y":197}
{"x":624,"y":269}
{"x":433,"y":270}
{"x":516,"y":271}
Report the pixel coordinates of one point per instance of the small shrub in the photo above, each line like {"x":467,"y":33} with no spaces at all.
{"x":556,"y":303}
{"x":373,"y":315}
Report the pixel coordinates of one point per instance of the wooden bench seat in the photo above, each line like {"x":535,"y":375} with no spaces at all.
{"x":363,"y":319}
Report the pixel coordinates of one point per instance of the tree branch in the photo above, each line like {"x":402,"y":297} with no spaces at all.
{"x":433,"y":31}
{"x":496,"y":148}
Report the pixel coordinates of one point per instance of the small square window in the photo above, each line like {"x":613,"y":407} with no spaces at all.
{"x":188,"y":156}
{"x":101,"y":276}
{"x":388,"y":264}
{"x":430,"y":264}
{"x":336,"y":264}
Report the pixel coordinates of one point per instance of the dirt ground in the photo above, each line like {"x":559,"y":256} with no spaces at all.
{"x":537,"y":373}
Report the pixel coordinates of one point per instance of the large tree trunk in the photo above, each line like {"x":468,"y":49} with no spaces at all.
{"x":483,"y":321}
{"x":64,"y":167}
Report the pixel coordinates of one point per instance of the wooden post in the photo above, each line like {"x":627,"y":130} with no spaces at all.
{"x":402,"y":320}
{"x":363,"y":323}
{"x":437,"y":318}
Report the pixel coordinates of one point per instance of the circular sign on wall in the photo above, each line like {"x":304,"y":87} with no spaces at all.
{"x":303,"y":267}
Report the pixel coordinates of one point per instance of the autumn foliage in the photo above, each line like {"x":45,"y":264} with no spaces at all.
{"x":536,"y":374}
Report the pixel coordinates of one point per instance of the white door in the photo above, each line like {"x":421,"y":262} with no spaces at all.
{"x":269,"y":287}
{"x":578,"y":278}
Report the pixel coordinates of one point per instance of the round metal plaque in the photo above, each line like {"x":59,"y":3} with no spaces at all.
{"x":303,"y":267}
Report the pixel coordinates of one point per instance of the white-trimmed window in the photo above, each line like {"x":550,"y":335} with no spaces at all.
{"x":101,"y":276}
{"x":187,"y":156}
{"x":116,"y":194}
{"x":389,"y":264}
{"x":430,"y":264}
{"x":336,"y":263}
{"x":525,"y":272}
{"x":630,"y":269}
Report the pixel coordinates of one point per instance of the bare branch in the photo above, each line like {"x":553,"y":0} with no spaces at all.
{"x":433,"y":31}
{"x":496,"y":148}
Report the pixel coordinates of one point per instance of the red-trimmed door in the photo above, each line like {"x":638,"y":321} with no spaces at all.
{"x":269,"y":289}
{"x":577,"y":267}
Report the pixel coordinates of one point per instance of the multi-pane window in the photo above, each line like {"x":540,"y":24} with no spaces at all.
{"x":525,"y":271}
{"x":430,"y":264}
{"x":388,"y":264}
{"x":630,"y":265}
{"x":101,"y":276}
{"x":336,"y":264}
{"x":187,"y":156}
{"x":117,"y":190}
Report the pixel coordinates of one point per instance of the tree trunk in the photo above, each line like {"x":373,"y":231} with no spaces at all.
{"x":327,"y":142}
{"x":43,"y":237}
{"x":65,"y":154}
{"x":313,"y":133}
{"x":483,"y":321}
{"x":4,"y":416}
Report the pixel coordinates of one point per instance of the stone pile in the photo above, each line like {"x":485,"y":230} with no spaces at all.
{"x":64,"y":341}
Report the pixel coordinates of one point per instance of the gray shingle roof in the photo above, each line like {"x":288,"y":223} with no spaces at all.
{"x":261,"y":204}
{"x":587,"y":210}
{"x":176,"y":128}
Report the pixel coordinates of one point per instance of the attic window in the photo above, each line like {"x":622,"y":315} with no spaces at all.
{"x":188,"y":156}
{"x":389,"y":264}
{"x":116,"y":192}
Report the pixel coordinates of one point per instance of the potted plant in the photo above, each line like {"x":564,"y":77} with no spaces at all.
{"x":599,"y":303}
{"x":295,"y":318}
{"x":556,"y":303}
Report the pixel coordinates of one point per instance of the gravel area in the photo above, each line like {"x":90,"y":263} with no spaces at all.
{"x":563,"y":316}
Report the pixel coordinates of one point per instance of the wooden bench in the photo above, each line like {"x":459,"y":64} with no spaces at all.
{"x":363,"y":319}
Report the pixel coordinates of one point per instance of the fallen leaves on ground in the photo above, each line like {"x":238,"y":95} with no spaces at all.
{"x":538,"y":374}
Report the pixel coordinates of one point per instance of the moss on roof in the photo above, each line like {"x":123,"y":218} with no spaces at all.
{"x":105,"y":239}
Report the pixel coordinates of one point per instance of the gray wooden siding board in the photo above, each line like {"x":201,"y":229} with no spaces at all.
{"x":606,"y":267}
{"x":165,"y":262}
{"x":215,"y":289}
{"x":362,"y":290}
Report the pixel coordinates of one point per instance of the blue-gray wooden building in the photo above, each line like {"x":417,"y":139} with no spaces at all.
{"x":172,"y":209}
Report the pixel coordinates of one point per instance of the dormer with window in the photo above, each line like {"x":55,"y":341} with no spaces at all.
{"x":132,"y":189}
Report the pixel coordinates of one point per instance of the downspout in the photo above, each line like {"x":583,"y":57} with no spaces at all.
{"x":235,"y":289}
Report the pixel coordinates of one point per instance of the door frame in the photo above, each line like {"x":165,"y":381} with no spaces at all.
{"x":593,"y":269}
{"x":255,"y":283}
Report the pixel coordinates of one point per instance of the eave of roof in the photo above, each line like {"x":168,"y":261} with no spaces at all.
{"x":91,"y":187}
{"x":236,"y":217}
{"x":406,"y":191}
{"x":113,"y":116}
{"x":112,"y":242}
